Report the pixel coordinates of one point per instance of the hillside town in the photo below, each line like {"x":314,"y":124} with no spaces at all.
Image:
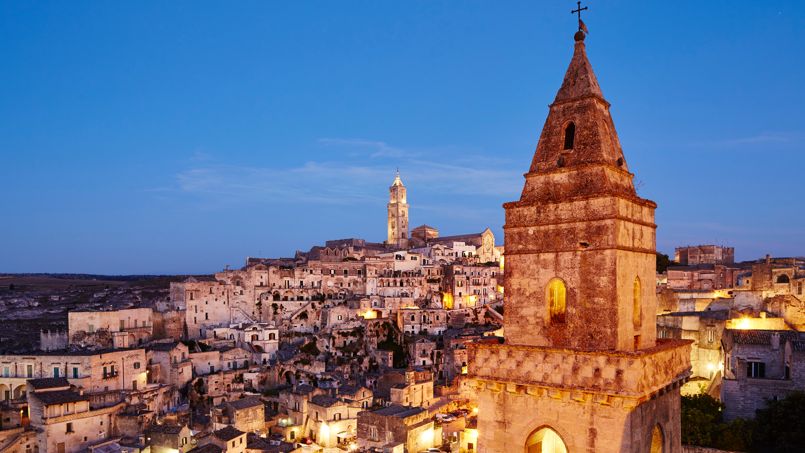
{"x":424,"y":342}
{"x":357,"y":346}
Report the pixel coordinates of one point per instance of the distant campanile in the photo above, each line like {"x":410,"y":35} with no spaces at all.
{"x":581,"y":369}
{"x":398,"y":214}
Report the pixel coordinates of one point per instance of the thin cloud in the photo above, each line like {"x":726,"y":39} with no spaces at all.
{"x":377,"y":148}
{"x":766,"y":138}
{"x":349,"y":183}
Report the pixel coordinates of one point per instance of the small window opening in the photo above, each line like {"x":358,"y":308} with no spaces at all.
{"x":570,"y":135}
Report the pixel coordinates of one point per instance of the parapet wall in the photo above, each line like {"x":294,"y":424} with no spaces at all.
{"x":628,"y":374}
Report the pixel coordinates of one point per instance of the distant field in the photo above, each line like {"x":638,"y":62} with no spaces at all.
{"x":64,"y":281}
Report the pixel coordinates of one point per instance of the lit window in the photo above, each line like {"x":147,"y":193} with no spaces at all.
{"x":556,"y":294}
{"x":637,"y":301}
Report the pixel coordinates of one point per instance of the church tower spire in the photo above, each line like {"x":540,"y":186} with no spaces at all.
{"x":397,"y":214}
{"x":581,"y":368}
{"x":580,"y":215}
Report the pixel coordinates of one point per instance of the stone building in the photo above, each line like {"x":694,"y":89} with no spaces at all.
{"x":65,"y":419}
{"x":122,"y":328}
{"x":427,"y":321}
{"x":760,"y":365}
{"x":704,"y":254}
{"x":423,"y":352}
{"x":397,"y":426}
{"x":469,"y":286}
{"x":93,"y":371}
{"x":169,"y":363}
{"x":245,"y":414}
{"x":581,"y":369}
{"x":705,"y":328}
{"x":398,"y":214}
{"x":169,"y":438}
{"x":703,"y":277}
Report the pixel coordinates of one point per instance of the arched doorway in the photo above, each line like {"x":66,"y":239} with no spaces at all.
{"x":657,"y":440}
{"x":19,"y":392}
{"x":545,"y":440}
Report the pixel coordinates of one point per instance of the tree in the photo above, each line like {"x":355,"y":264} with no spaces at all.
{"x":663,"y":261}
{"x":390,"y":345}
{"x":701,"y":415}
{"x":778,"y":427}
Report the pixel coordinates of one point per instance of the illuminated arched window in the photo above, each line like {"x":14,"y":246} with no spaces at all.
{"x":545,"y":440}
{"x":556,"y":296}
{"x":637,"y":299}
{"x":570,"y":136}
{"x":657,"y":440}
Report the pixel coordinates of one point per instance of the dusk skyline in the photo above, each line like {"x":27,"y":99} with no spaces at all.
{"x":179,"y":138}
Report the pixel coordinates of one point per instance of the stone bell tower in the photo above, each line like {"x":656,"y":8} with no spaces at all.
{"x":581,"y":369}
{"x":398,"y":214}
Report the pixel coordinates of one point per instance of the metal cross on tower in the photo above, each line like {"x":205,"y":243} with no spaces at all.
{"x":578,"y":11}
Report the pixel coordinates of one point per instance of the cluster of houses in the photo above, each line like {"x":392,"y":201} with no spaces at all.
{"x":351,"y":346}
{"x":745,"y":319}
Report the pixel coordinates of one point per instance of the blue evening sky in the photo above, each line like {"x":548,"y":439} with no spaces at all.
{"x":179,"y":137}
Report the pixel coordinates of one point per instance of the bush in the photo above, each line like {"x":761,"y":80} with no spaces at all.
{"x":310,"y":348}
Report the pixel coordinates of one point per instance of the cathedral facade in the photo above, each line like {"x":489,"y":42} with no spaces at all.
{"x":581,"y":369}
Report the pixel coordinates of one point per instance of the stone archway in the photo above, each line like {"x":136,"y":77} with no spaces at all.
{"x":5,"y":392}
{"x":19,"y":392}
{"x":545,"y":440}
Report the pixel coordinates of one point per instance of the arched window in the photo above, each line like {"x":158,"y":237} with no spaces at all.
{"x":545,"y":440}
{"x":556,"y":295}
{"x":637,"y":304}
{"x":657,"y":440}
{"x":570,"y":135}
{"x":783,"y":279}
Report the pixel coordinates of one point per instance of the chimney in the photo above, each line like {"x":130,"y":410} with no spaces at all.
{"x":768,"y":259}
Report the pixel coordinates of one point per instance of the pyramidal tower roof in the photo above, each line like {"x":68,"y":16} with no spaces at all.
{"x":580,"y":80}
{"x":578,"y":153}
{"x":397,"y":180}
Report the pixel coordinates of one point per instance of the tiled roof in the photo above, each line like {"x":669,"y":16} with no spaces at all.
{"x":209,"y":448}
{"x":303,"y":389}
{"x":48,"y":383}
{"x":60,"y":397}
{"x":395,"y":410}
{"x":245,"y":403}
{"x":798,"y":345}
{"x":228,"y":433}
{"x":163,"y":346}
{"x":760,"y":337}
{"x":166,"y":429}
{"x":324,"y":400}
